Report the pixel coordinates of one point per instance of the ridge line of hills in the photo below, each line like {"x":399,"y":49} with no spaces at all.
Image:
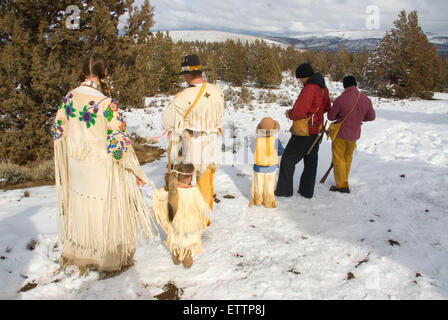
{"x":353,"y":41}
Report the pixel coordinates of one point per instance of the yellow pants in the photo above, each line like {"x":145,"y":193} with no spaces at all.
{"x":205,"y":185}
{"x":342,"y":160}
{"x":263,"y":187}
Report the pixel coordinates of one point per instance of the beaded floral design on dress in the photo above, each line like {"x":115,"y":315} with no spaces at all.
{"x":67,"y":104}
{"x":57,"y":130}
{"x":118,"y":139}
{"x":89,"y":113}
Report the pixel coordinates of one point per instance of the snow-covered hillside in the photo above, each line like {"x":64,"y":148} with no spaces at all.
{"x":217,"y":36}
{"x":386,"y":240}
{"x":353,"y":40}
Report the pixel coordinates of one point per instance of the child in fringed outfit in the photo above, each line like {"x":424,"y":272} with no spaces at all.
{"x":267,"y":149}
{"x":183,"y":213}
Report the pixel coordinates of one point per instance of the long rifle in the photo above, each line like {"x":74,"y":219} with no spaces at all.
{"x":324,"y":178}
{"x":169,"y":154}
{"x":318,"y":138}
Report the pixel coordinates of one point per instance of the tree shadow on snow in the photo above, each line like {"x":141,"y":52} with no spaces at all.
{"x":19,"y":237}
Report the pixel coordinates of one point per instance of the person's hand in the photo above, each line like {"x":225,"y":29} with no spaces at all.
{"x":140,"y":182}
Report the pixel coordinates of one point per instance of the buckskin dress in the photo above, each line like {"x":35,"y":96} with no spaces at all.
{"x":185,"y":231}
{"x":101,"y":209}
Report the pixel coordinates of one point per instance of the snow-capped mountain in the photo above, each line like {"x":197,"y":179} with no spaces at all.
{"x":353,"y":41}
{"x":219,"y":36}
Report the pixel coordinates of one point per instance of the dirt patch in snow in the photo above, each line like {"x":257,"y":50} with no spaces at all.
{"x":171,"y":292}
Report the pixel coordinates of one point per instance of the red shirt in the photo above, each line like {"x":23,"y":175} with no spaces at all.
{"x":311,"y":98}
{"x":351,"y":128}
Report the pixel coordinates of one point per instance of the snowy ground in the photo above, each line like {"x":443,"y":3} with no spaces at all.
{"x":389,"y":234}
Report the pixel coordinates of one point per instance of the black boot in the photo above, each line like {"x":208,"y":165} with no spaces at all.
{"x":341,"y":190}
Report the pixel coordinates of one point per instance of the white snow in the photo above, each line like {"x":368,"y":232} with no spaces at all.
{"x":347,"y":35}
{"x":217,"y":36}
{"x":437,"y":38}
{"x":304,"y":249}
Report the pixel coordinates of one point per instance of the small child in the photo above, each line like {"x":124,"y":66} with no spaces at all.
{"x":182,"y":212}
{"x":267,"y":150}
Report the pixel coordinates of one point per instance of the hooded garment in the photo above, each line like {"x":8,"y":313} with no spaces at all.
{"x":313,"y":102}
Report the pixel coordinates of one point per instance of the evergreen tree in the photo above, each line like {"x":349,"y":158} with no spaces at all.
{"x":445,"y":68}
{"x":404,"y":63}
{"x":322,"y":61}
{"x":359,"y":63}
{"x":440,"y":74}
{"x":41,"y":59}
{"x":165,"y":63}
{"x":265,"y":69}
{"x":290,"y":59}
{"x":132,"y":74}
{"x":234,"y":59}
{"x":213,"y":62}
{"x":341,"y":64}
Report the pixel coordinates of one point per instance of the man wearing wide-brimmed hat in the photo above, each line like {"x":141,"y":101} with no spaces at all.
{"x":194,"y":118}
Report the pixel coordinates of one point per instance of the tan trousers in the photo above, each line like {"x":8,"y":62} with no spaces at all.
{"x":342,"y":160}
{"x":263,"y":187}
{"x":205,"y":185}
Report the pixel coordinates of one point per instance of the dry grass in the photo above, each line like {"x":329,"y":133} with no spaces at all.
{"x":14,"y":176}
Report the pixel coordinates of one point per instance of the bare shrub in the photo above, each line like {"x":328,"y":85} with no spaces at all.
{"x":267,"y":97}
{"x":285,"y":100}
{"x":230,"y":95}
{"x":13,"y":174}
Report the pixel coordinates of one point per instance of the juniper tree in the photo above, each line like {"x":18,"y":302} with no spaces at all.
{"x":440,"y":75}
{"x":263,"y":67}
{"x":291,"y":59}
{"x":341,"y":64}
{"x":132,"y":74}
{"x":403,"y":65}
{"x":40,"y":61}
{"x":322,"y":61}
{"x":234,"y":62}
{"x":445,"y":68}
{"x":358,"y":65}
{"x":165,"y":63}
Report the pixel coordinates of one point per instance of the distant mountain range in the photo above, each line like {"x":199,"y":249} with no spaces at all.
{"x":220,"y":36}
{"x":353,"y":41}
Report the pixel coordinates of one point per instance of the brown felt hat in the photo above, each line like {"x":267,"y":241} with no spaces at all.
{"x":268,"y":124}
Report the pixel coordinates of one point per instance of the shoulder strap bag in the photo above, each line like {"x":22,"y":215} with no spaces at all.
{"x":334,"y":128}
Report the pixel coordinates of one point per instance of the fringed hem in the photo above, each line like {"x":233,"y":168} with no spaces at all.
{"x":62,"y":182}
{"x":109,"y":225}
{"x":160,"y":208}
{"x":130,"y":162}
{"x":86,"y":265}
{"x":183,"y":252}
{"x":184,"y":233}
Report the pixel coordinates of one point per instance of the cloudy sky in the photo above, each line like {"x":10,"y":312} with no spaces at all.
{"x":289,"y":17}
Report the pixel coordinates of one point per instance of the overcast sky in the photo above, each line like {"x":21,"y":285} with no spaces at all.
{"x":289,"y":17}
